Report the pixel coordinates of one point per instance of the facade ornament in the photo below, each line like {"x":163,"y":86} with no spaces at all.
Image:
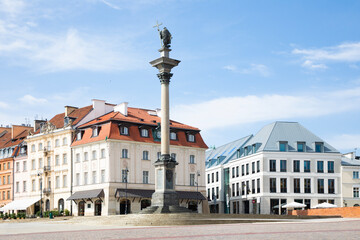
{"x":47,"y":127}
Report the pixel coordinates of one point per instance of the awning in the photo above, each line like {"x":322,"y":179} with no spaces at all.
{"x":89,"y":194}
{"x":142,"y":193}
{"x":21,"y":204}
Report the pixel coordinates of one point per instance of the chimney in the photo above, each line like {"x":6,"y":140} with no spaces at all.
{"x":122,"y":108}
{"x":158,"y":112}
{"x":69,"y":110}
{"x":16,"y":130}
{"x":98,"y":107}
{"x":37,"y":124}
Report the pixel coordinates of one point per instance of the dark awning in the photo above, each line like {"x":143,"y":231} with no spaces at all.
{"x":142,"y":193}
{"x":89,"y":194}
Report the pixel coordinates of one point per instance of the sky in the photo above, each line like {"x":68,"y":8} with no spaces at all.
{"x":244,"y":64}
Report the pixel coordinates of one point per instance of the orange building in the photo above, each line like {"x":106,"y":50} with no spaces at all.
{"x":11,"y":145}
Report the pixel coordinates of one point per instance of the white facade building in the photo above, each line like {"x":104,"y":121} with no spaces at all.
{"x":282,"y":163}
{"x":350,"y":171}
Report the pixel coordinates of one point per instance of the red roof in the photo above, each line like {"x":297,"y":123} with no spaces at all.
{"x":78,"y":114}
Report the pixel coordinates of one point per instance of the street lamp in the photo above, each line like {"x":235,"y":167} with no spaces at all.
{"x":197,"y":180}
{"x":40,"y":175}
{"x":126,"y":181}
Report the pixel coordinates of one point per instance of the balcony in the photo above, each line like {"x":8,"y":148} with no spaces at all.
{"x":47,"y":190}
{"x":47,"y":168}
{"x":47,"y":150}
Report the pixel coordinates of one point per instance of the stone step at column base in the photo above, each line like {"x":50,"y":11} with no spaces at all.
{"x":165,"y":209}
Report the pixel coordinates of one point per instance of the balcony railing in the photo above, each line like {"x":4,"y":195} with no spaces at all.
{"x":47,"y":190}
{"x":47,"y":168}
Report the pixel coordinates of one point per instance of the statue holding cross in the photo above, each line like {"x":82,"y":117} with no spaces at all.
{"x":165,"y":36}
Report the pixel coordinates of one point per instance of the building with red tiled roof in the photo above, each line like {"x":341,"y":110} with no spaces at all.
{"x":116,"y":151}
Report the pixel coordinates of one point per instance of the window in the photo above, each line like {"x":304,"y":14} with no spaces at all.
{"x":173,"y":136}
{"x":247,"y":169}
{"x":192,"y":159}
{"x":296,"y":165}
{"x":233,"y":172}
{"x":356,"y":192}
{"x":57,"y":160}
{"x":273,"y":185}
{"x":320,"y":166}
{"x":86,"y":156}
{"x":296,"y":185}
{"x":217,"y":192}
{"x":258,"y":166}
{"x":17,"y":167}
{"x":64,"y":158}
{"x":283,"y":146}
{"x":258,"y":185}
{"x":208,"y":176}
{"x":217,"y":176}
{"x":33,"y":148}
{"x":282,"y":165}
{"x":94,"y":155}
{"x":64,"y":141}
{"x":33,"y":186}
{"x":94,"y":177}
{"x":77,"y":179}
{"x":331,"y":186}
{"x":253,"y":167}
{"x":40,"y":163}
{"x":24,"y":186}
{"x":237,"y":189}
{"x":8,"y":166}
{"x":85,"y":178}
{"x":356,"y":175}
{"x":301,"y":147}
{"x":212,"y":177}
{"x":124,"y":153}
{"x":102,"y":176}
{"x":253,"y":186}
{"x":247,"y":187}
{"x":145,"y":177}
{"x":237,"y":171}
{"x":306,"y":166}
{"x":233,"y":190}
{"x":158,"y":155}
{"x":124,"y":130}
{"x":307,"y":185}
{"x":173,"y":156}
{"x":4,"y":180}
{"x":330,"y":166}
{"x":272,"y":165}
{"x":95,"y":132}
{"x":8,"y":179}
{"x":78,"y":136}
{"x":144,"y":132}
{"x":145,"y":155}
{"x":124,"y":174}
{"x":319,"y":147}
{"x":24,"y":166}
{"x":17,"y":187}
{"x":33,"y":164}
{"x":242,"y":170}
{"x":77,"y":157}
{"x":102,"y":152}
{"x":64,"y":181}
{"x":40,"y":147}
{"x":283,"y":185}
{"x":320,"y":185}
{"x":57,"y":182}
{"x":208,"y":194}
{"x":191,"y":138}
{"x":57,"y":143}
{"x":48,"y":146}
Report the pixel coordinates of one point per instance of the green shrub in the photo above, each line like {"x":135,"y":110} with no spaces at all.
{"x":67,"y":212}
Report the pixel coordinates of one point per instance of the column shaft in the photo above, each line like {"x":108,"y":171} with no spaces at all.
{"x":165,"y":124}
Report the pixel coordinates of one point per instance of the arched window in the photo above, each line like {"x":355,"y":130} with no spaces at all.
{"x":47,"y":206}
{"x":61,"y":205}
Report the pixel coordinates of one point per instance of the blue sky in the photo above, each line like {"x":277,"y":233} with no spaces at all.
{"x":244,"y":64}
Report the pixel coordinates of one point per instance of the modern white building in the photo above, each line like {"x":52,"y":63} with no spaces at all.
{"x":284,"y":162}
{"x":113,"y":170}
{"x":350,"y":170}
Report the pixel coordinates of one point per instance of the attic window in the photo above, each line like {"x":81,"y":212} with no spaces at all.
{"x":319,"y":147}
{"x":300,"y":146}
{"x":144,"y":132}
{"x":283,"y":146}
{"x":96,"y":131}
{"x":173,"y":136}
{"x":79,"y":136}
{"x":191,"y":137}
{"x":124,"y":130}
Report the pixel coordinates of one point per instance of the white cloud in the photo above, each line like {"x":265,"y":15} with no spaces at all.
{"x":111,"y":5}
{"x":231,"y":111}
{"x":315,"y":58}
{"x":4,"y":105}
{"x":260,"y":69}
{"x":12,"y":7}
{"x":346,"y":142}
{"x":28,"y":99}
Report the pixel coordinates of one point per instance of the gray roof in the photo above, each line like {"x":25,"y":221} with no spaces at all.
{"x":349,"y":162}
{"x":147,"y":193}
{"x":89,"y":194}
{"x":224,"y":153}
{"x":267,"y":139}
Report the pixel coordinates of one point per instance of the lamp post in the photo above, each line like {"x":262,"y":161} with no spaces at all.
{"x":40,"y":175}
{"x":126,"y":181}
{"x":197,"y":180}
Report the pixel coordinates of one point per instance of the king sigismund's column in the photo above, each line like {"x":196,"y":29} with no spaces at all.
{"x":165,"y":199}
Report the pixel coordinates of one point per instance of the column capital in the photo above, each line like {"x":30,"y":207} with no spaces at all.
{"x":164,"y":77}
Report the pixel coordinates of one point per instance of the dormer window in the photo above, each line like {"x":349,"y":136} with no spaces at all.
{"x":173,"y":136}
{"x":124,"y":130}
{"x":144,"y":132}
{"x":95,"y":131}
{"x":283,"y":146}
{"x":319,"y":147}
{"x":191,"y":138}
{"x":301,"y":147}
{"x":78,"y":136}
